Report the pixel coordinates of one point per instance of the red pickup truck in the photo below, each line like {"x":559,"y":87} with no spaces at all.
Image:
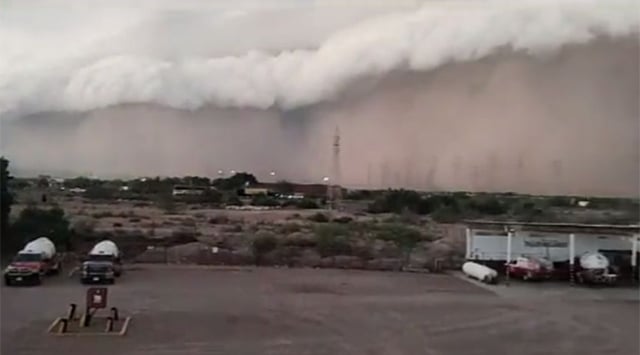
{"x":531,"y":268}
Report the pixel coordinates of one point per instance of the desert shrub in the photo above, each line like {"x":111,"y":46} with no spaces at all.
{"x":490,"y":205}
{"x":343,"y":219}
{"x":84,"y":226}
{"x":290,"y":228}
{"x":237,"y":228}
{"x":166,"y":203}
{"x":300,"y":240}
{"x":307,"y":204}
{"x":264,"y":200}
{"x":104,"y":214}
{"x":188,"y":222}
{"x":319,"y":218}
{"x":219,"y":219}
{"x":134,"y":220}
{"x":233,"y":200}
{"x":359,"y":195}
{"x":397,"y":201}
{"x":117,"y":224}
{"x":211,"y":196}
{"x":446,"y":214}
{"x":262,"y":244}
{"x":332,"y":239}
{"x":404,"y":237}
{"x":98,"y":192}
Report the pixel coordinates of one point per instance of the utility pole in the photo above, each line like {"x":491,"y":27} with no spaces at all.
{"x":337,"y":178}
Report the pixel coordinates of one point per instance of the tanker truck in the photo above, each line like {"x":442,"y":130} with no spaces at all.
{"x":594,"y":269}
{"x":102,"y":263}
{"x":37,"y":259}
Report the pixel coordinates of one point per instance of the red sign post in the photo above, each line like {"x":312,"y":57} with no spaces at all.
{"x":96,"y":298}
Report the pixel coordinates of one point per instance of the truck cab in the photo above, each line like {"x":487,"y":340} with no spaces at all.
{"x":28,"y":266}
{"x":102,"y":264}
{"x":531,"y":268}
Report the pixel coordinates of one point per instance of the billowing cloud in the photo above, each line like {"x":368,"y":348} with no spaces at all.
{"x":531,"y":96}
{"x":97,"y":59}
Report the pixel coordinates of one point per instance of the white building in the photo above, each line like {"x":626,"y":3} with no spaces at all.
{"x":187,"y":190}
{"x":499,"y":242}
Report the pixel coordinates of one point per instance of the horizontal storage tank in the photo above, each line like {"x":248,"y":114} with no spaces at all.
{"x":593,"y":261}
{"x":480,"y":272}
{"x":105,"y":247}
{"x":42,"y":246}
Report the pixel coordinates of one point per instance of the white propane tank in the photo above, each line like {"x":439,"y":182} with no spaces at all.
{"x":593,"y":261}
{"x":42,"y":246}
{"x":105,"y":247}
{"x":480,"y":272}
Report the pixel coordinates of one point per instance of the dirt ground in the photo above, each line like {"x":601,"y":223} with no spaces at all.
{"x":198,"y":310}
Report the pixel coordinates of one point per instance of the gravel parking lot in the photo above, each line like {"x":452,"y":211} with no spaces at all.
{"x":192,"y":310}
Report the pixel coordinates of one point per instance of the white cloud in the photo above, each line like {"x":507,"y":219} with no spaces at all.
{"x":187,"y":55}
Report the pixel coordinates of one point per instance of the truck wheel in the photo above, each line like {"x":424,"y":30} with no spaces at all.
{"x":7,"y":280}
{"x":117,"y":273}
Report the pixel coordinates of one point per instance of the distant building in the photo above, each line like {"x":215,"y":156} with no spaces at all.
{"x":188,"y":190}
{"x":288,"y":190}
{"x":253,"y":191}
{"x":496,"y":243}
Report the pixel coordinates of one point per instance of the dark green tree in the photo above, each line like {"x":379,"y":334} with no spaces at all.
{"x":235,"y":182}
{"x":6,"y":199}
{"x":35,"y":222}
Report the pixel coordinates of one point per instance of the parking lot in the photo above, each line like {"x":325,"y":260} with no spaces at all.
{"x":194,"y":310}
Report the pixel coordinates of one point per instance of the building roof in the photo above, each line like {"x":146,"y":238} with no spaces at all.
{"x":616,"y":229}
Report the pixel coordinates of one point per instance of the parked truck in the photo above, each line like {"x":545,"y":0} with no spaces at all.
{"x":531,"y":268}
{"x":594,"y":269}
{"x":37,"y":259}
{"x":102,"y":264}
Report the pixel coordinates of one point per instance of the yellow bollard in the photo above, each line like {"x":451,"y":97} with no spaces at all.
{"x":62,"y":328}
{"x":72,"y":311}
{"x":109,"y":327}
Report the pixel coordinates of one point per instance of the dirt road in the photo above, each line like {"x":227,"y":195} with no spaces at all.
{"x":280,"y":311}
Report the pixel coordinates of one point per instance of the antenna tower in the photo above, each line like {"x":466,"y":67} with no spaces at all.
{"x":337,"y":188}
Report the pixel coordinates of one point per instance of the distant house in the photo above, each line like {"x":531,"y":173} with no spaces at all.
{"x":188,"y":190}
{"x":288,"y":190}
{"x":257,"y":190}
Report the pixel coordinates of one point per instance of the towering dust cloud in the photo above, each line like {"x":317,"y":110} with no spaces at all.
{"x":537,"y":97}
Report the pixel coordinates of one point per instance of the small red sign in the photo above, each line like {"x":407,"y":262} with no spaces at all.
{"x":97,"y":297}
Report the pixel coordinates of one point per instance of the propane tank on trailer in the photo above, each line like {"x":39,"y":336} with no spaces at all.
{"x":42,"y":246}
{"x":594,"y":261}
{"x":480,"y":272}
{"x":105,"y":247}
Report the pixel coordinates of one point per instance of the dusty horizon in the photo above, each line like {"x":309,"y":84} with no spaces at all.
{"x":480,"y":111}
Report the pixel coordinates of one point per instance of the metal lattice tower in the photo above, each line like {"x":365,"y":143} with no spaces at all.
{"x":337,"y":178}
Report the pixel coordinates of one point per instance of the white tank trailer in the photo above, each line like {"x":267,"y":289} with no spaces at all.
{"x":105,"y":247}
{"x":480,"y":272}
{"x":43,"y":246}
{"x":37,"y":259}
{"x":102,"y":263}
{"x":594,"y":269}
